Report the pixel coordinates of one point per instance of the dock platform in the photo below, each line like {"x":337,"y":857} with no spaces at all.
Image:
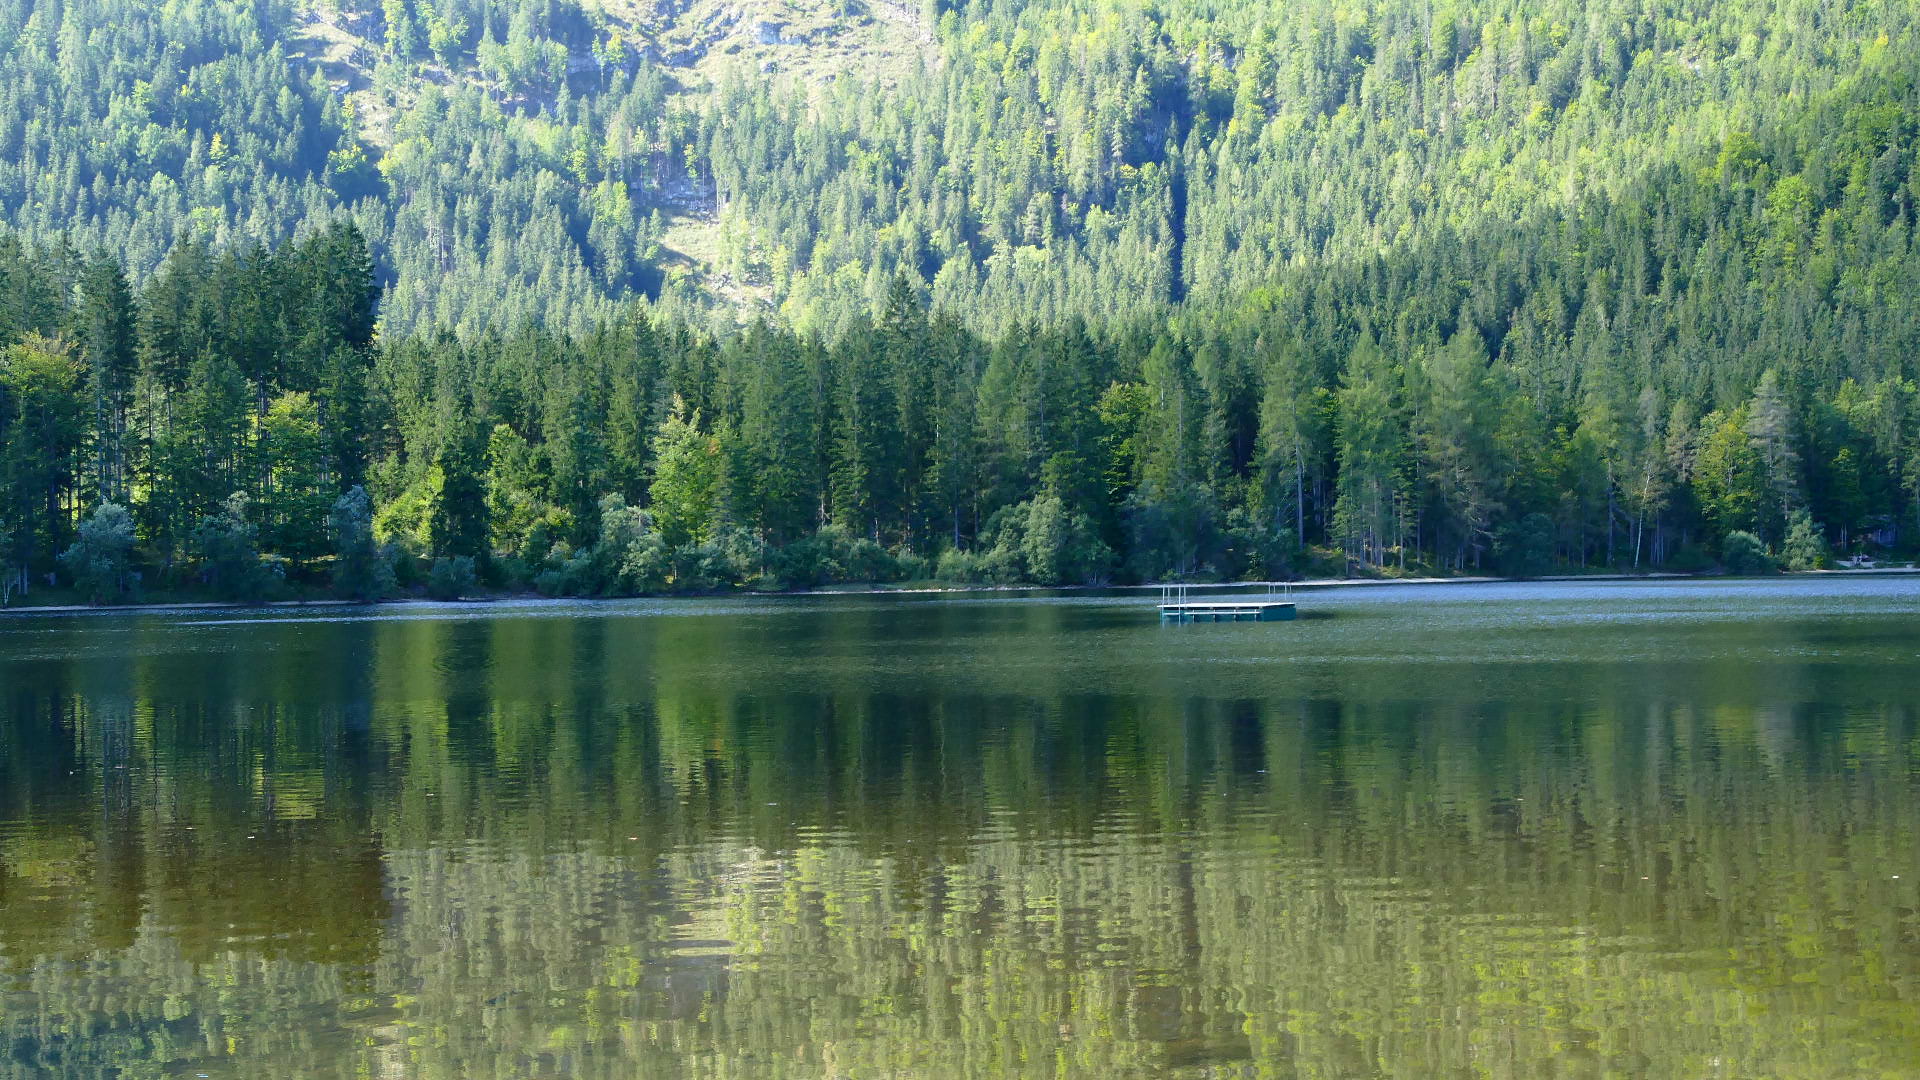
{"x":1178,"y":606}
{"x":1229,"y":611}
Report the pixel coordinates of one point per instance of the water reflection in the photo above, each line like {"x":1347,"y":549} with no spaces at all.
{"x":1573,"y":832}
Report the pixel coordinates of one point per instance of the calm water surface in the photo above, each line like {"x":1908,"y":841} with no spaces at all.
{"x":1667,"y":830}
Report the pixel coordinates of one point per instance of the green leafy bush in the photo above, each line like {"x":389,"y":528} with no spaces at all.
{"x":1805,"y":547}
{"x":99,"y":561}
{"x":1524,"y":548}
{"x":452,"y":577}
{"x":1742,"y":553}
{"x":229,"y":554}
{"x":361,"y":570}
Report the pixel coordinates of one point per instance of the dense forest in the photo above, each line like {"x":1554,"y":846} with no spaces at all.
{"x":1097,"y":292}
{"x":520,"y":161}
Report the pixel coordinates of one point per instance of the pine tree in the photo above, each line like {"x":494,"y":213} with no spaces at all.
{"x":105,"y":320}
{"x":1456,"y":431}
{"x":295,"y":497}
{"x":1370,"y":446}
{"x":687,"y":475}
{"x":1770,"y":428}
{"x":1292,"y":436}
{"x":42,"y":430}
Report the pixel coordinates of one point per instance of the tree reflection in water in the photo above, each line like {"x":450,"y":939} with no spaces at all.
{"x":958,"y":840}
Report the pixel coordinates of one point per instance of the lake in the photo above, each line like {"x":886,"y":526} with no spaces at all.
{"x":1531,"y":830}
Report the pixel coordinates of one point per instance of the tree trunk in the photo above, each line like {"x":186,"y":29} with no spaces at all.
{"x":1299,"y":501}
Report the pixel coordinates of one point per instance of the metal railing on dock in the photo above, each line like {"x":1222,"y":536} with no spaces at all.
{"x":1177,"y":605}
{"x":1178,"y":592}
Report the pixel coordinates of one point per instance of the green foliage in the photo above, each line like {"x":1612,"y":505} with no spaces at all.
{"x":1047,"y":160}
{"x":452,"y":577}
{"x":1691,"y":559}
{"x":1371,"y":450}
{"x":1525,"y":548}
{"x":42,"y":430}
{"x":1805,"y":547}
{"x":716,"y":564}
{"x":687,"y":474}
{"x":1042,"y":541}
{"x":361,"y":570}
{"x":1728,"y":478}
{"x":1176,"y":535}
{"x":225,"y":545}
{"x":1059,"y":546}
{"x":456,"y":522}
{"x":628,"y":558}
{"x":1258,"y":547}
{"x":1103,"y":292}
{"x":833,"y":556}
{"x":292,"y":450}
{"x":1744,"y":554}
{"x":100,"y":559}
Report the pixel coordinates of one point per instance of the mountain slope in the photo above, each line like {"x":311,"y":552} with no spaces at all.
{"x":538,"y":160}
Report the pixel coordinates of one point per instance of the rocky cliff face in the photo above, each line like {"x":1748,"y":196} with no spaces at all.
{"x":697,"y":42}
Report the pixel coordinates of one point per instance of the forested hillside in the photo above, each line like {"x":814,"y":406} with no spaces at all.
{"x":516,"y":160}
{"x":599,"y":300}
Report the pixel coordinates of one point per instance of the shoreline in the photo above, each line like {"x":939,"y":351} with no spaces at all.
{"x":919,"y":590}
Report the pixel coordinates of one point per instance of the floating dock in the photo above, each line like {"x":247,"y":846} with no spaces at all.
{"x":1177,"y":607}
{"x":1229,"y":611}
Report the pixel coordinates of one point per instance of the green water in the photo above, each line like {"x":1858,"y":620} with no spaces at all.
{"x":1666,"y":830}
